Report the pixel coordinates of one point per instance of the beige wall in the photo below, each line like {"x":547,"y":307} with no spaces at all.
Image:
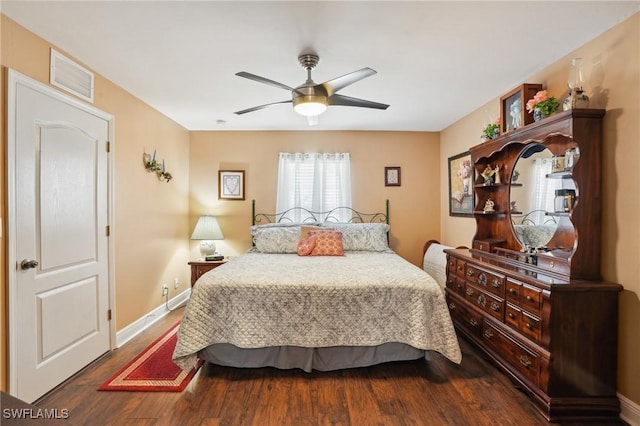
{"x":154,"y":219}
{"x":414,"y":211}
{"x":151,"y":217}
{"x":613,"y":63}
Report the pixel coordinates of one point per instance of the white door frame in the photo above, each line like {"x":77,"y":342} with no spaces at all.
{"x":14,"y":79}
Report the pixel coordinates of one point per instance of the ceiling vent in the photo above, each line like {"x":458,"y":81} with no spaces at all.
{"x":70,"y":76}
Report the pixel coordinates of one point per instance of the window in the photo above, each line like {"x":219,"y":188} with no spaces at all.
{"x":317,"y":182}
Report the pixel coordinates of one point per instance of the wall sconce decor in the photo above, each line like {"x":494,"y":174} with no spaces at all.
{"x":153,"y":166}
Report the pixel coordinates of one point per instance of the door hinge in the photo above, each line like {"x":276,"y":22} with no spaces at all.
{"x":108,"y":146}
{"x":109,"y":315}
{"x":108,"y":230}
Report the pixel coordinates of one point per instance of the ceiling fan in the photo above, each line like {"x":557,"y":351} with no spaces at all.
{"x":311,"y":99}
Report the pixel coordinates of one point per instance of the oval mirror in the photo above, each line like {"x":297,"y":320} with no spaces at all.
{"x":532,"y":197}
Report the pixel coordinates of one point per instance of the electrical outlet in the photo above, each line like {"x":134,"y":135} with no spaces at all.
{"x":165,"y":289}
{"x":176,"y":283}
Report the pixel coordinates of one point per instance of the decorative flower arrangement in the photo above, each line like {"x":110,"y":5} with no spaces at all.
{"x":492,"y":130}
{"x":544,"y":103}
{"x":151,"y":165}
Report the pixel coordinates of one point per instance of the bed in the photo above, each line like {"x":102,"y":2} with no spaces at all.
{"x":531,"y":232}
{"x":273,"y":307}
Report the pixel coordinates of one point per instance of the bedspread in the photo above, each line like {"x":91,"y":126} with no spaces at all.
{"x":360,"y":299}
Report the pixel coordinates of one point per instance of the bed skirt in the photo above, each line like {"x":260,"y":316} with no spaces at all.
{"x":308,"y":359}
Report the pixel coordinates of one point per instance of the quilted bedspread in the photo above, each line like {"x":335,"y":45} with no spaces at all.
{"x":360,"y":299}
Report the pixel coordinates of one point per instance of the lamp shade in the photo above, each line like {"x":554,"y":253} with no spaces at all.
{"x":207,"y":228}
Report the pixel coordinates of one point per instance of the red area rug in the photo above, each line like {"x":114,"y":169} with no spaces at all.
{"x":153,"y":370}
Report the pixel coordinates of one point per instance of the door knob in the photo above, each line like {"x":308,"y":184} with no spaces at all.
{"x":28,"y":264}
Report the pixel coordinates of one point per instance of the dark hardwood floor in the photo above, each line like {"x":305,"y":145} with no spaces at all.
{"x":406,"y":393}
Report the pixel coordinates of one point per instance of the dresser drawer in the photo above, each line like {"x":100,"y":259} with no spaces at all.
{"x":530,"y":298}
{"x":456,"y":284}
{"x":553,"y":263}
{"x":531,"y":326}
{"x":463,"y":316}
{"x":524,"y":296}
{"x":451,"y":264}
{"x":460,"y":267}
{"x":524,"y":360}
{"x":486,"y":301}
{"x":490,"y":281}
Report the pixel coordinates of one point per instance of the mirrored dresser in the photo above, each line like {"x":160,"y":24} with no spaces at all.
{"x":529,"y":292}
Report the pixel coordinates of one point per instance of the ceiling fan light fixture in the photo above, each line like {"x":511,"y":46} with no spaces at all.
{"x":310,"y":106}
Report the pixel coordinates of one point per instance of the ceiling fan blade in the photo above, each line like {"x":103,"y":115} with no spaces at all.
{"x":355,"y":102}
{"x":332,"y":86}
{"x":244,"y":111}
{"x":263,"y":80}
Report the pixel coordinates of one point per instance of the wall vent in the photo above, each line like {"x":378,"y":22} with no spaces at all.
{"x":70,"y":76}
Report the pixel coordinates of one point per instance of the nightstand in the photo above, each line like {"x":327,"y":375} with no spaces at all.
{"x":199,"y":267}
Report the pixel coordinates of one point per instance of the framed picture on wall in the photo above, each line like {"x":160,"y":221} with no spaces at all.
{"x":392,"y":176}
{"x":231,"y":184}
{"x":461,"y":180}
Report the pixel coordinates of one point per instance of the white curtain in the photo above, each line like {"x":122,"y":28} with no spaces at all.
{"x":317,"y":182}
{"x":544,"y":190}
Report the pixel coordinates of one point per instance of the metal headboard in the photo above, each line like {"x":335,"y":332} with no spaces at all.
{"x":327,"y":216}
{"x":525,"y":220}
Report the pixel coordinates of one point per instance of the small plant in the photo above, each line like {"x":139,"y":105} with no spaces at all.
{"x":544,"y":103}
{"x":491,"y":130}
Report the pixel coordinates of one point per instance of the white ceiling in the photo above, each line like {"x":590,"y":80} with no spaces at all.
{"x":436,"y":61}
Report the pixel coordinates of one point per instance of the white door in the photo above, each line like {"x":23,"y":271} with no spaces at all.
{"x":58,"y":172}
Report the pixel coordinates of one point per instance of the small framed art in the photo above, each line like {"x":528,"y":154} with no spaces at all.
{"x":392,"y":176}
{"x":231,"y":184}
{"x":461,"y":180}
{"x":512,"y":107}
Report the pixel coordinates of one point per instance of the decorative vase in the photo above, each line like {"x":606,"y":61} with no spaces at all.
{"x":576,"y":99}
{"x":539,"y":115}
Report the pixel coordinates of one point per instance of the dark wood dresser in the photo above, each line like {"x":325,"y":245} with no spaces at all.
{"x":539,"y":309}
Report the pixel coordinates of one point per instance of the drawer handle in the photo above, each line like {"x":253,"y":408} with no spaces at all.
{"x":511,"y":315}
{"x":551,"y":264}
{"x":529,"y":298}
{"x":473,"y":322}
{"x":495,"y":306}
{"x":459,"y":286}
{"x":482,"y":279}
{"x":469,"y":292}
{"x":482,"y":301}
{"x":452,"y":306}
{"x":529,"y":326}
{"x":524,"y":360}
{"x":470,"y":272}
{"x":488,"y":333}
{"x":459,"y":268}
{"x":512,"y":290}
{"x":495,"y":283}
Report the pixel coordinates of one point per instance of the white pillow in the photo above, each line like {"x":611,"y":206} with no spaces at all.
{"x":363,"y":236}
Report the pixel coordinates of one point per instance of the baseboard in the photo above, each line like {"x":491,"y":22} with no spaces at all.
{"x":138,"y":326}
{"x":629,"y":411}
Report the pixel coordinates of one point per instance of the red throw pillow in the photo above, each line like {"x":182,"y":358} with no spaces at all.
{"x":328,"y":243}
{"x":306,"y":245}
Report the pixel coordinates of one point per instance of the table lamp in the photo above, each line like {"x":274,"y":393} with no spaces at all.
{"x":207,"y":230}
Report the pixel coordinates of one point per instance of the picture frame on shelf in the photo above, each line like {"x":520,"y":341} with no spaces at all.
{"x":461,"y":183}
{"x":392,"y":176}
{"x":513,"y":114}
{"x":231,"y":184}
